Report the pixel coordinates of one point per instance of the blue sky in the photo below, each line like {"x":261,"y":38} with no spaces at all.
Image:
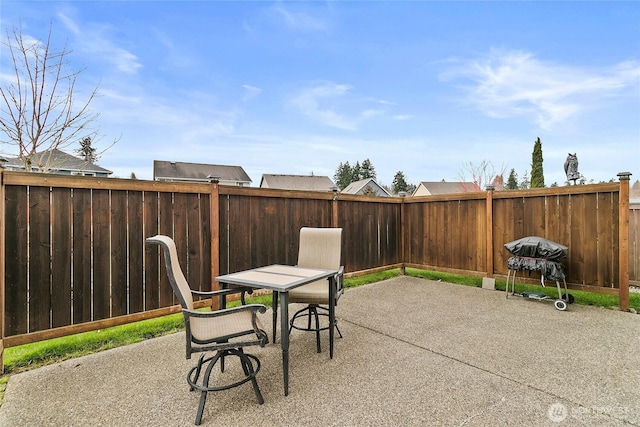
{"x":299,"y":87}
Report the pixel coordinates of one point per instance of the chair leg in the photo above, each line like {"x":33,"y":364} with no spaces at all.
{"x":314,"y":309}
{"x":198,"y":369}
{"x":250,"y":365}
{"x":205,"y":382}
{"x":247,"y":366}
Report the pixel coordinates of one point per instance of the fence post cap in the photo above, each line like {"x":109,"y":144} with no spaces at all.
{"x":624,"y":176}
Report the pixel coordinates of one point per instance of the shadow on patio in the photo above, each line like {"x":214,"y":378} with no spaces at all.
{"x":414,"y":352}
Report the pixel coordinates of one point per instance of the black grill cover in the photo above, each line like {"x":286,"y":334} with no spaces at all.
{"x":537,"y":247}
{"x":551,"y":270}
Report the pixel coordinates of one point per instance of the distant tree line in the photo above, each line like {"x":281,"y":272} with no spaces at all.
{"x":347,"y":174}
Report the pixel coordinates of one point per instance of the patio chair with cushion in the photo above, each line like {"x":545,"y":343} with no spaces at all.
{"x":318,"y":248}
{"x":224,"y":332}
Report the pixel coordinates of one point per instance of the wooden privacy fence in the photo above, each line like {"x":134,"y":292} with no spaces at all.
{"x":74,"y":257}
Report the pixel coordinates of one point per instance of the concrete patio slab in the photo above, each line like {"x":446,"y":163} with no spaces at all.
{"x":414,"y":353}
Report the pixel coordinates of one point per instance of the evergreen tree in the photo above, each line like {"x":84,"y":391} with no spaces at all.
{"x":367,"y":170}
{"x":356,"y":172}
{"x":399,"y":183}
{"x":512,"y":181}
{"x":343,"y":175}
{"x":86,"y":150}
{"x":537,"y":173}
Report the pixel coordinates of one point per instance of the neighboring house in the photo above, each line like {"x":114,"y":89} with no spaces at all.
{"x":442,"y":187}
{"x":366,"y":187}
{"x":297,"y":182}
{"x":56,"y":162}
{"x":200,"y":172}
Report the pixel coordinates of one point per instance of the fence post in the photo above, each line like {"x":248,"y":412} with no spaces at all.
{"x":489,"y":230}
{"x":2,"y":270}
{"x":623,"y":241}
{"x":334,"y":207}
{"x":214,"y":225}
{"x":403,"y":270}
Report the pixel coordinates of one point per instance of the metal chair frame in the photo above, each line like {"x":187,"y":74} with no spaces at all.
{"x":222,"y":346}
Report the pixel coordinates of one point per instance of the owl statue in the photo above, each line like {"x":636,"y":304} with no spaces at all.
{"x":571,"y":168}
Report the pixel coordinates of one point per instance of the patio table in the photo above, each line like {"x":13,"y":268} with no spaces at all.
{"x":281,"y":279}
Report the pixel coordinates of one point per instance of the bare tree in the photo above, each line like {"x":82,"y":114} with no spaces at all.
{"x":482,"y":174}
{"x":38,"y":112}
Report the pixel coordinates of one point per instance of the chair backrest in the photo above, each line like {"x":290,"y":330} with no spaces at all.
{"x":320,"y":248}
{"x":174,"y":272}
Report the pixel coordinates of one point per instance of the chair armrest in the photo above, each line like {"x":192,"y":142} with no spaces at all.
{"x":219,"y":292}
{"x":256,"y":308}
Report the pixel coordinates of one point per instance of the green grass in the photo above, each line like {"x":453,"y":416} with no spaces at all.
{"x":29,"y":356}
{"x":581,"y":297}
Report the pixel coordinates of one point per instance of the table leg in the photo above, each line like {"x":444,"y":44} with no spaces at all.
{"x":284,"y":338}
{"x":332,"y":312}
{"x":274,"y":306}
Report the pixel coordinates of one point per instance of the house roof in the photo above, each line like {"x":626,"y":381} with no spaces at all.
{"x":181,"y":171}
{"x":358,"y":186}
{"x":297,"y":182}
{"x":442,"y":187}
{"x":56,"y":160}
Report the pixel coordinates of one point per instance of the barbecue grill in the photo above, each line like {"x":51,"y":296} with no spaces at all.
{"x":538,"y":254}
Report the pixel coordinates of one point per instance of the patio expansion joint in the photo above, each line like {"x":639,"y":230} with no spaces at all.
{"x":496,"y":374}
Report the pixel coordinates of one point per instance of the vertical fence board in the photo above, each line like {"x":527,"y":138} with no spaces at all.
{"x":477,"y":220}
{"x":604,"y":225}
{"x":534,"y":212}
{"x":501,"y":222}
{"x":167,"y":216}
{"x":634,"y":245}
{"x":615,"y":215}
{"x":576,"y":248}
{"x":15,"y":260}
{"x":204,"y":213}
{"x":82,"y":250}
{"x":194,"y":243}
{"x":224,"y":224}
{"x":119,"y":288}
{"x":180,"y":201}
{"x":135,"y":244}
{"x":591,"y":245}
{"x":240,"y":216}
{"x":101,"y":255}
{"x":61,"y":244}
{"x":152,"y":263}
{"x":39,"y":258}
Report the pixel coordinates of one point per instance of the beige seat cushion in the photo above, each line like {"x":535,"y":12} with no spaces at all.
{"x":313,"y":293}
{"x":236,"y":323}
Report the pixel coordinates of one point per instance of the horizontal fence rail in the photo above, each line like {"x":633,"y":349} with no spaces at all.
{"x":74,"y":255}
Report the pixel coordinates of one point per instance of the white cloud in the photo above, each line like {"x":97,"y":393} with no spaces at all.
{"x":516,"y":83}
{"x":94,"y":40}
{"x":310,"y":103}
{"x":250,"y":92}
{"x":299,"y":21}
{"x":333,"y":105}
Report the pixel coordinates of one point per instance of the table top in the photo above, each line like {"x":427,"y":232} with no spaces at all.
{"x":276,"y":277}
